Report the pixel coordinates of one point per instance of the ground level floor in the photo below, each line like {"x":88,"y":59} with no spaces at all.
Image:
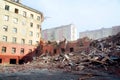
{"x":11,"y":53}
{"x":7,"y":59}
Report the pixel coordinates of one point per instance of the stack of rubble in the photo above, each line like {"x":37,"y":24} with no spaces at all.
{"x":102,"y":53}
{"x":106,"y":50}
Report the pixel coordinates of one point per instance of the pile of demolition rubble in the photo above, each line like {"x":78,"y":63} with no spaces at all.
{"x":102,"y":54}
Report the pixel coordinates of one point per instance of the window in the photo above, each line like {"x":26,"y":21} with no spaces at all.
{"x":14,"y":30}
{"x":30,"y":42}
{"x":0,"y":60}
{"x":6,"y":17}
{"x":62,"y":50}
{"x":22,"y":41}
{"x":31,"y":33}
{"x":13,"y":50}
{"x":7,"y":7}
{"x":14,"y":39}
{"x":30,"y":50}
{"x":24,"y":14}
{"x":38,"y":18}
{"x":40,"y":29}
{"x":55,"y":51}
{"x":72,"y":49}
{"x":22,"y":50}
{"x":5,"y":28}
{"x":31,"y":15}
{"x":23,"y":32}
{"x":16,"y":10}
{"x":4,"y":38}
{"x":81,"y":44}
{"x":38,"y":26}
{"x":15,"y":20}
{"x":23,"y":22}
{"x":31,"y":24}
{"x":37,"y":35}
{"x":13,"y":61}
{"x":3,"y":49}
{"x":37,"y":42}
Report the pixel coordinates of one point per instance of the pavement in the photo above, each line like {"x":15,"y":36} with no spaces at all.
{"x":45,"y":74}
{"x":42,"y":74}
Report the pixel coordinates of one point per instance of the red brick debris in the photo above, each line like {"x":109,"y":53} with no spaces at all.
{"x":81,"y":55}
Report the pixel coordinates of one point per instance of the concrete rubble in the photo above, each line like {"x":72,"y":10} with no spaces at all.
{"x":102,"y":58}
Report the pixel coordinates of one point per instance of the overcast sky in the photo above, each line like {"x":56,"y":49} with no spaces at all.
{"x":84,"y":14}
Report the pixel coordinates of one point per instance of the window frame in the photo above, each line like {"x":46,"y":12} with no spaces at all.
{"x":14,"y":39}
{"x":5,"y":28}
{"x":24,"y":14}
{"x":4,"y":49}
{"x":4,"y":38}
{"x":31,"y":24}
{"x":6,"y":18}
{"x":38,"y":26}
{"x":15,"y":20}
{"x":7,"y":7}
{"x":37,"y":35}
{"x":22,"y":41}
{"x":13,"y":50}
{"x":14,"y":30}
{"x":22,"y":50}
{"x":37,"y":42}
{"x":31,"y":33}
{"x":30,"y":50}
{"x":38,"y":18}
{"x":30,"y":42}
{"x":31,"y":16}
{"x":23,"y":22}
{"x":16,"y":11}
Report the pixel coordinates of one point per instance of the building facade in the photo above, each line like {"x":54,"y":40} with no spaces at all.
{"x":20,"y":31}
{"x":76,"y":46}
{"x":100,"y":33}
{"x":67,"y":32}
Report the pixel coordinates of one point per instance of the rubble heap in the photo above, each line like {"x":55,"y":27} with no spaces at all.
{"x":103,"y":54}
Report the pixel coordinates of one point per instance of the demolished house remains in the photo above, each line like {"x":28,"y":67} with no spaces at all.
{"x":82,"y":57}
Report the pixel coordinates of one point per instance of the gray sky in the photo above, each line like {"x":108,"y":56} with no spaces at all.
{"x":84,"y":14}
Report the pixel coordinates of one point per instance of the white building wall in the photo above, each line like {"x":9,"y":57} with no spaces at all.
{"x":101,"y":33}
{"x":60,"y":33}
{"x":73,"y":32}
{"x":115,"y":30}
{"x":23,"y":30}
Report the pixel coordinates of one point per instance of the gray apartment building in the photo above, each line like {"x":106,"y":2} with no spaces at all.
{"x":100,"y":33}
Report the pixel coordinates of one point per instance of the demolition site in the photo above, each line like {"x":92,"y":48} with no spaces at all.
{"x":26,"y":54}
{"x":83,"y":59}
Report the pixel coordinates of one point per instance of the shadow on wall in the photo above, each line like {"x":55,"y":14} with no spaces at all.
{"x":31,"y":55}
